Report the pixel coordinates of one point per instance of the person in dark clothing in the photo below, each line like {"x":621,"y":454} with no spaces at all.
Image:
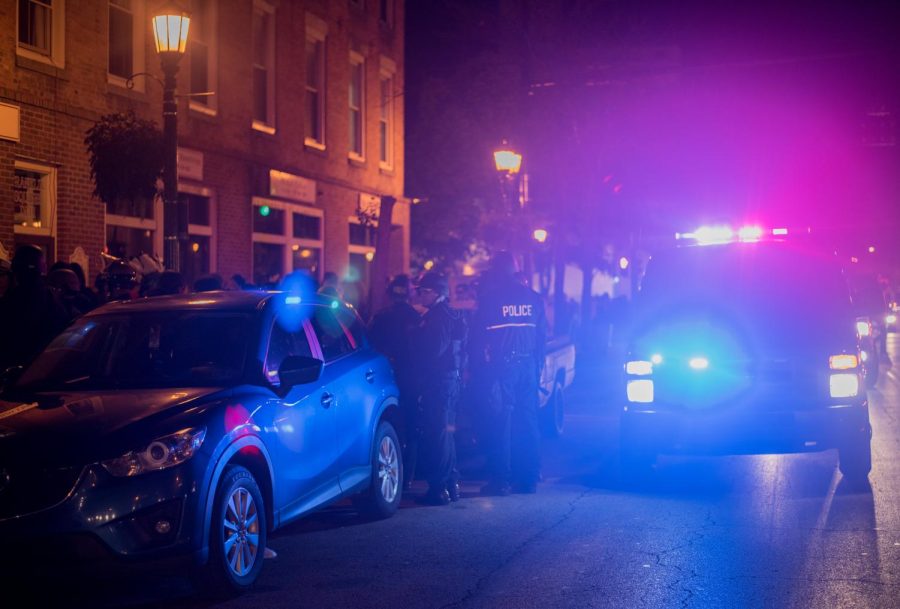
{"x":508,"y":343}
{"x":390,"y":331}
{"x":438,"y":346}
{"x":169,"y":282}
{"x":31,"y":313}
{"x":121,"y":281}
{"x":5,"y":276}
{"x":65,"y":281}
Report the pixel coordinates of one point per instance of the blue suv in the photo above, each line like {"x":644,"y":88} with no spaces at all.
{"x":190,"y":427}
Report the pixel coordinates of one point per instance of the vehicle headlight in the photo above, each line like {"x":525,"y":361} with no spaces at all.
{"x":639,"y":367}
{"x":844,"y":385}
{"x":161,"y":453}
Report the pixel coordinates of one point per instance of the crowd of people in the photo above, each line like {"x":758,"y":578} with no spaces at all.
{"x":500,"y":349}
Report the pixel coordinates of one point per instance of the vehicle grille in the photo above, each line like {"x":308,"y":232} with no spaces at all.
{"x":25,"y":490}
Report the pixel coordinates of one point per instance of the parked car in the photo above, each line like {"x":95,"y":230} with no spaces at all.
{"x":728,"y":357}
{"x":191,"y":427}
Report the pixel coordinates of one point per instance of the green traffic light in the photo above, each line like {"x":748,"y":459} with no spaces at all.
{"x":265,"y":210}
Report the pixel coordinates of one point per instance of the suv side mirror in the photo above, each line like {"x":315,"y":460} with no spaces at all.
{"x":299,"y":370}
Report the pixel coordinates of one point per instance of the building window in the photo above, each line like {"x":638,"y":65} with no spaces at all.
{"x":126,"y":42}
{"x":387,"y":69}
{"x":134,"y":228}
{"x":203,"y":58}
{"x":315,"y":85}
{"x":357,"y":101}
{"x":286,"y":237}
{"x":41,"y":31}
{"x":362,"y":252}
{"x":34,"y":206}
{"x":386,"y":12}
{"x":199,"y":258}
{"x":263,"y":67}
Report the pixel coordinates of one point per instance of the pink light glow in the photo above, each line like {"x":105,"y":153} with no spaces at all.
{"x":750,"y":233}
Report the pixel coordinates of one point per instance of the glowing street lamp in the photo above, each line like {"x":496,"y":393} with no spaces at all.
{"x":507,"y":161}
{"x":170,"y":31}
{"x":540,"y":235}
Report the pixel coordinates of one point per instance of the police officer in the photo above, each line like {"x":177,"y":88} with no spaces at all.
{"x":438,"y":349}
{"x":508,"y":342}
{"x":390,"y":331}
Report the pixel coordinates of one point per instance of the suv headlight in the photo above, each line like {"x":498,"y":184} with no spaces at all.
{"x":161,"y":453}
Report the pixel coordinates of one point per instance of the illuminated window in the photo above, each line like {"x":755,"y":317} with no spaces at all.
{"x":386,"y":114}
{"x":263,"y":67}
{"x":126,"y":41}
{"x":41,"y":31}
{"x":286,"y":237}
{"x":357,"y":105}
{"x":34,"y":205}
{"x":314,"y":110}
{"x":199,"y":258}
{"x":134,"y":227}
{"x":202,"y":40}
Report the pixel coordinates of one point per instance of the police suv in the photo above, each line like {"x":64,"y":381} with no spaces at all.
{"x":744,"y":345}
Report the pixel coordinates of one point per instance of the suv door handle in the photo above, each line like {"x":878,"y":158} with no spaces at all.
{"x":370,"y":376}
{"x":327,"y":399}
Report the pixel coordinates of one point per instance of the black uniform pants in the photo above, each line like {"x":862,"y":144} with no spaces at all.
{"x":437,"y":412}
{"x":514,"y":440}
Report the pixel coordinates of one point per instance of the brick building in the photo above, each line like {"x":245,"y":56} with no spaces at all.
{"x":305,"y":127}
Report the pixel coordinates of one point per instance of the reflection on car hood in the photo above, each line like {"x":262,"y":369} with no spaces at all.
{"x":83,"y":426}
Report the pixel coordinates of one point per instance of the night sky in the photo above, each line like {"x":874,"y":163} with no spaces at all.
{"x":776,"y":112}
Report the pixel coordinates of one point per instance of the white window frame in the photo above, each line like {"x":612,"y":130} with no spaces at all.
{"x":211,"y":32}
{"x":199,"y":229}
{"x":49,"y":202}
{"x":386,"y":116}
{"x":317,"y":32}
{"x":153,"y":224}
{"x":267,"y":126}
{"x":361,"y":249}
{"x":57,"y":56}
{"x":357,"y":59}
{"x":139,"y":30}
{"x":287,"y":239}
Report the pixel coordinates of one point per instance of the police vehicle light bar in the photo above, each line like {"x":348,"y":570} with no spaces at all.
{"x":708,"y":235}
{"x":639,"y":367}
{"x":843,"y":362}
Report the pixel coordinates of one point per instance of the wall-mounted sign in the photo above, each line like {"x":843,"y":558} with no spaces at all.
{"x":190,"y":164}
{"x":9,"y":122}
{"x":289,"y":186}
{"x":369,"y":204}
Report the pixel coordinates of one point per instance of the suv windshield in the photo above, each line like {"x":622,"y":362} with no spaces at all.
{"x":143,"y":350}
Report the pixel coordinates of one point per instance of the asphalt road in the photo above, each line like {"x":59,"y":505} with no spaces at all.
{"x":764,"y":531}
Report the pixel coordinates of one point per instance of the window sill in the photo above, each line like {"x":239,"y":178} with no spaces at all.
{"x":38,"y":63}
{"x":263,"y":127}
{"x":203,"y":110}
{"x":356,"y":161}
{"x":314,"y":144}
{"x":122,"y":83}
{"x":385,"y":169}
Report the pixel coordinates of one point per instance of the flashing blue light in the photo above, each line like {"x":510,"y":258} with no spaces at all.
{"x":656,"y":358}
{"x":698,"y":363}
{"x":334,"y":304}
{"x":292,"y":300}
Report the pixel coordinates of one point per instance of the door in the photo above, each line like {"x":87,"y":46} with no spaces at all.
{"x":303,"y":448}
{"x":348,"y":371}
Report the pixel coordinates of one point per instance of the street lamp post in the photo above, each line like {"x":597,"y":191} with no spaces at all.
{"x":170,"y":29}
{"x":508,"y":164}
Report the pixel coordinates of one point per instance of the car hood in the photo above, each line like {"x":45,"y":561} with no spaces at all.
{"x":75,"y":427}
